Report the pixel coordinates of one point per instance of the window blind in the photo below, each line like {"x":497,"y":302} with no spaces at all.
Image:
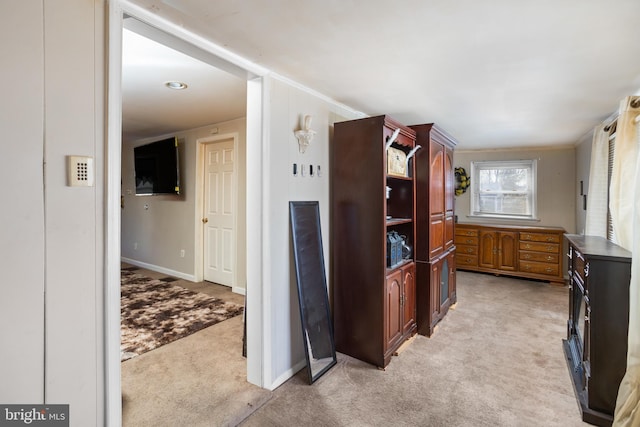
{"x":612,"y":150}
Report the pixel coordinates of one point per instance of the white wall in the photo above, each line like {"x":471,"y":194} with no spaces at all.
{"x":556,"y":185}
{"x":51,"y":303}
{"x":171,"y":223}
{"x":22,"y":237}
{"x":583,"y":164}
{"x":287,"y":105}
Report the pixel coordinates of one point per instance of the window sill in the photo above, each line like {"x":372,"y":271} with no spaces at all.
{"x":504,"y":218}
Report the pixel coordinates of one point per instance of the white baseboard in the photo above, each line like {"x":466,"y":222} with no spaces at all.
{"x":287,"y":374}
{"x":167,"y":271}
{"x":238,"y":290}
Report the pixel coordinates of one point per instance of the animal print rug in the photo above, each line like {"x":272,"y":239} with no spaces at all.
{"x":155,"y":312}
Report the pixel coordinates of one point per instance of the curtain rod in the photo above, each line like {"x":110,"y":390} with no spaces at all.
{"x":613,"y":118}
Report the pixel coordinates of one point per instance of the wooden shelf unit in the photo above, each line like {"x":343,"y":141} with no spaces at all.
{"x":373,"y":304}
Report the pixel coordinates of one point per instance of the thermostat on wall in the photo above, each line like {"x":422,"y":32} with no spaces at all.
{"x":80,"y":171}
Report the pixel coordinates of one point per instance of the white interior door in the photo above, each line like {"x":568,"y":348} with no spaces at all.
{"x":219,"y":212}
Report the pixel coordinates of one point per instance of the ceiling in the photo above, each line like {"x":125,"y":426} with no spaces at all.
{"x":494,"y":74}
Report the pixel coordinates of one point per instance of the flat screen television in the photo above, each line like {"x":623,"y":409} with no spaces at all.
{"x":156,"y":167}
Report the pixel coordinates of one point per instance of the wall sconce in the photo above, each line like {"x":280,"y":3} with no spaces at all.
{"x":305,"y":135}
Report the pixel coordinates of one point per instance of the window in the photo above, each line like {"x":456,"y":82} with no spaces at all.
{"x":505,"y":189}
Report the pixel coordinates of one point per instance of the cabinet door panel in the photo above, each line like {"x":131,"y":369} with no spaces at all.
{"x":444,"y":283}
{"x":448,"y":232}
{"x":436,"y":237}
{"x":453,"y":294}
{"x":436,"y":186}
{"x":393,"y":313}
{"x":508,"y":251}
{"x":487,"y":249}
{"x":434,"y":305}
{"x":449,"y":185}
{"x":409,"y":302}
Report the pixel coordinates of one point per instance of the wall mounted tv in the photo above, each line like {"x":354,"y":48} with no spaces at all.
{"x":156,"y":167}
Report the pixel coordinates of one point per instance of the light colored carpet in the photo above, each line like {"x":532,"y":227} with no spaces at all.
{"x":199,"y":380}
{"x":495,"y":360}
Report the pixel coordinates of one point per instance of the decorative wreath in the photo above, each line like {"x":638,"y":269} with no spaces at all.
{"x":462,"y":181}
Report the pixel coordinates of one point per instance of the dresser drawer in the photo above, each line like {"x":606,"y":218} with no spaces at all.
{"x":468,"y":260}
{"x":540,"y":247}
{"x":539,"y":268}
{"x":539,"y":256}
{"x":540,"y":237}
{"x":466,"y":250}
{"x":466,"y":231}
{"x":466,"y":240}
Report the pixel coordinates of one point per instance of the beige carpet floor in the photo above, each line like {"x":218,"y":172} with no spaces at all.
{"x":495,"y":360}
{"x":199,"y":380}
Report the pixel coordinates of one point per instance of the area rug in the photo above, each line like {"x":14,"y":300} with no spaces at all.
{"x":155,"y":312}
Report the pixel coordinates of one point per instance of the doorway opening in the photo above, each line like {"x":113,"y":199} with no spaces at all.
{"x":176,"y":38}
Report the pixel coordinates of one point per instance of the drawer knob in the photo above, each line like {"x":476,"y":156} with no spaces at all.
{"x":527,"y":256}
{"x":527,"y":246}
{"x":549,"y":269}
{"x":549,"y":258}
{"x":469,"y":241}
{"x":550,"y":248}
{"x":549,"y":239}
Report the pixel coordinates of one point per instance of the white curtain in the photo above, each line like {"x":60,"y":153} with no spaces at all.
{"x":625,"y":215}
{"x":596,"y":220}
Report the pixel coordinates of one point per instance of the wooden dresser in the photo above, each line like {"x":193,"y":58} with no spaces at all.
{"x":531,"y":252}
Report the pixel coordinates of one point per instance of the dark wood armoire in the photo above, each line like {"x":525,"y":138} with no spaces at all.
{"x":435,"y":226}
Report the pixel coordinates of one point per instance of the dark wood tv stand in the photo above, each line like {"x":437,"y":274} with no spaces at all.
{"x":596,"y":344}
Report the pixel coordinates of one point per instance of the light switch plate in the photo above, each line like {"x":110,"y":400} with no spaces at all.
{"x":80,"y":171}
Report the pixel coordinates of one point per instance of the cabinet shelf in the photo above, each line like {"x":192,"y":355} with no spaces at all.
{"x":399,"y":178}
{"x":397,"y":221}
{"x":398,"y":266}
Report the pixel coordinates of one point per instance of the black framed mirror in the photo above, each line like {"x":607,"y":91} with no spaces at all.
{"x":317,"y":328}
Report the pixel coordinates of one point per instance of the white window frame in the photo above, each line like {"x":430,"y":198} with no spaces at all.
{"x":477,"y":166}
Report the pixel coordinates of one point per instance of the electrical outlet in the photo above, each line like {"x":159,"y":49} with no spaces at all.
{"x":182,"y":253}
{"x":135,"y":246}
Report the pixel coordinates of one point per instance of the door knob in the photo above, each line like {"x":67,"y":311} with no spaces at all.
{"x":205,"y":220}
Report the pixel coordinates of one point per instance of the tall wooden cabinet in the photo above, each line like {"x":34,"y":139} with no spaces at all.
{"x":435,"y":226}
{"x":373,"y":302}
